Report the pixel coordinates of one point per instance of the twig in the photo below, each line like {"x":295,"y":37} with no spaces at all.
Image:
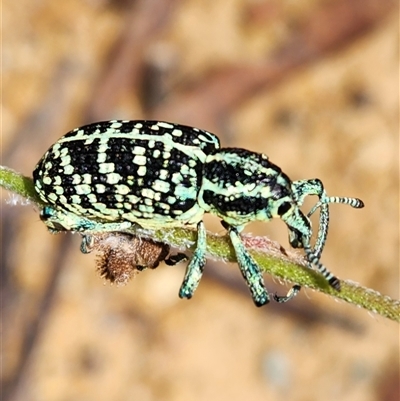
{"x":270,"y":256}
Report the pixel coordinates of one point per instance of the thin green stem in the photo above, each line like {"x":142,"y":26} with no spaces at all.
{"x":271,"y":257}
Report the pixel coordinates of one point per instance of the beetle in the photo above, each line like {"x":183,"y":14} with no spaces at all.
{"x":116,"y":176}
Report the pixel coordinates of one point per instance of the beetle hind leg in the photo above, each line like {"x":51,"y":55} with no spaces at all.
{"x":249,"y":268}
{"x":290,"y":295}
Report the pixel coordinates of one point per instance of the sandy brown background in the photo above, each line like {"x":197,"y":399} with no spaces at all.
{"x":312,"y":83}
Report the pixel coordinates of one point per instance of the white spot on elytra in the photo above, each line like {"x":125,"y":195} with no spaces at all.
{"x":161,"y":186}
{"x":171,"y":200}
{"x":92,"y":198}
{"x":139,"y":160}
{"x":101,"y":157}
{"x":87,"y":178}
{"x":133,"y":199}
{"x":164,"y":206}
{"x":177,"y":132}
{"x":103,"y":147}
{"x":139,"y":150}
{"x":68,"y":170}
{"x":76,"y":199}
{"x":82,"y":189}
{"x":113,"y":178}
{"x":65,"y":160}
{"x":176,"y":178}
{"x":146,"y":209}
{"x":163,"y":174}
{"x":163,"y":124}
{"x":122,"y":189}
{"x":148,"y":193}
{"x":100,"y":188}
{"x":76,"y":179}
{"x":105,"y":168}
{"x":100,"y":206}
{"x":141,"y":171}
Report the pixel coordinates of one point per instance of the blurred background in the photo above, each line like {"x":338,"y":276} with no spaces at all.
{"x":312,"y":83}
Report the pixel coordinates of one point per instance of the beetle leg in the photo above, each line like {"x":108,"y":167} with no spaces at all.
{"x":249,"y":268}
{"x":291,"y":294}
{"x":195,"y":268}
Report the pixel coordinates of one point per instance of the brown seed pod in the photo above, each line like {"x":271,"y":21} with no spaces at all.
{"x":121,"y":255}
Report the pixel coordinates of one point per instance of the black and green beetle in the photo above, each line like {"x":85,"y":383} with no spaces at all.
{"x":117,"y":175}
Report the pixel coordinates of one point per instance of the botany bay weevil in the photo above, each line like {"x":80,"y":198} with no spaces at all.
{"x":117,"y":175}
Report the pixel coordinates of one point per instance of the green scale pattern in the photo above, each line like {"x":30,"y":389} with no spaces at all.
{"x":117,"y":175}
{"x":145,"y":172}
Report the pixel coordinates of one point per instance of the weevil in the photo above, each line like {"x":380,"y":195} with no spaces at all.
{"x":115,"y":176}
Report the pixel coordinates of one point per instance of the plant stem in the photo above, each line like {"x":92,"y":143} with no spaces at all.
{"x":270,"y":256}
